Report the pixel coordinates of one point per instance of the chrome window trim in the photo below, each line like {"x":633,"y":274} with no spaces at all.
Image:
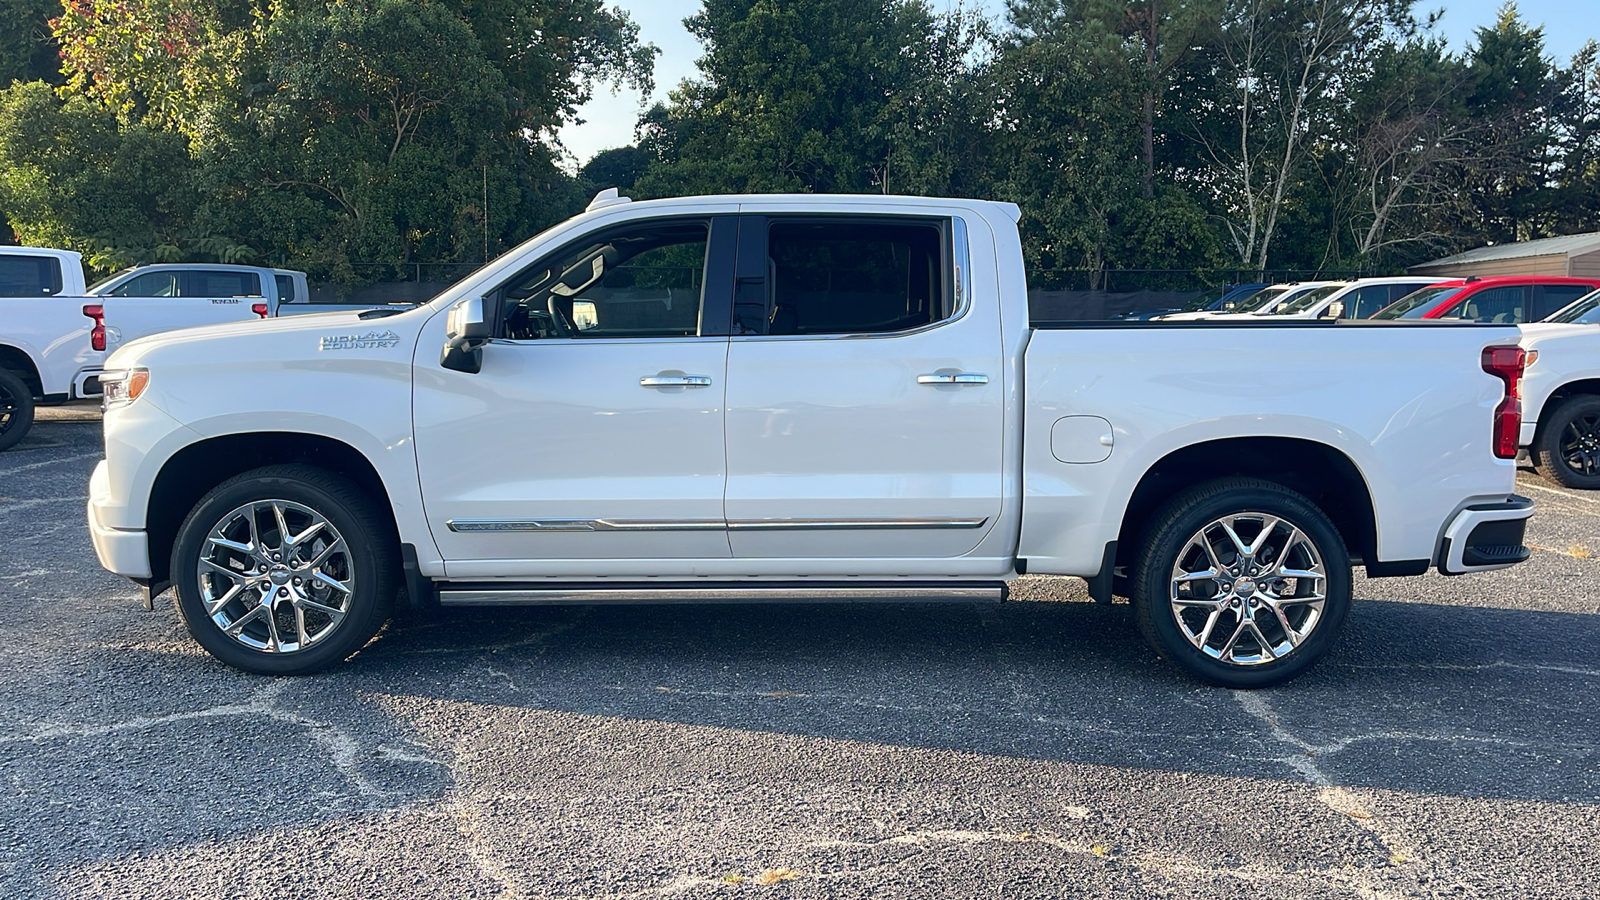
{"x":960,"y":256}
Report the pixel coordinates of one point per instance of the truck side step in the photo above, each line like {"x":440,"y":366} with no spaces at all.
{"x":503,"y":594}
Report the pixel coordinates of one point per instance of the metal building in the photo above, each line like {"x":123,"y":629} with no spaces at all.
{"x":1575,"y":255}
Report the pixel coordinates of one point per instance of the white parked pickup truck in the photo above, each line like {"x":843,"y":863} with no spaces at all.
{"x":768,"y":398}
{"x":1561,"y":394}
{"x":45,"y":352}
{"x":150,"y":299}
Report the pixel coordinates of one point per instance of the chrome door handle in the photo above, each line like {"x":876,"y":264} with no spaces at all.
{"x":676,"y":381}
{"x":952,"y":378}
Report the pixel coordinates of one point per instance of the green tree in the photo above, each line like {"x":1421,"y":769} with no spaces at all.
{"x":28,"y":49}
{"x":71,"y":177}
{"x":1512,"y":87}
{"x":1576,"y":114}
{"x":794,"y":95}
{"x":159,"y":62}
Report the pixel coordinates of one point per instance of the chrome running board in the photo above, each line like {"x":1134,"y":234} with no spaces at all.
{"x":481,"y":594}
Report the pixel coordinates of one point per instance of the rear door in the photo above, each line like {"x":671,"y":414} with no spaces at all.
{"x":865,"y":391}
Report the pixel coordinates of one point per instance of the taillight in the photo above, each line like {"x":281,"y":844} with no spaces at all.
{"x":97,"y":334}
{"x":1506,"y":364}
{"x":259,"y":309}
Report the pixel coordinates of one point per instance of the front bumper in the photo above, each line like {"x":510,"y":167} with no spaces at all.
{"x":1486,"y":536}
{"x":123,"y":551}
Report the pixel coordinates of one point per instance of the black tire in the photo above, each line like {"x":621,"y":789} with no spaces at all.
{"x":1167,"y":543}
{"x":369,"y":555}
{"x":16,"y":409}
{"x":1567,"y":450}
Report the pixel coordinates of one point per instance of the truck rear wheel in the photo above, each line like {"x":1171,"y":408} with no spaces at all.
{"x":1567,"y":450}
{"x":284,"y":570}
{"x":16,"y":409}
{"x":1241,"y":583}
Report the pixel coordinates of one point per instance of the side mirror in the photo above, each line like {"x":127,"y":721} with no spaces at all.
{"x":467,"y":329}
{"x":1335,"y":310}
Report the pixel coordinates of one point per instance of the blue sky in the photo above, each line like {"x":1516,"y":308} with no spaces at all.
{"x":609,"y":118}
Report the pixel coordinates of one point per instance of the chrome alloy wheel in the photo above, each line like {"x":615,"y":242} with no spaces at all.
{"x":276,"y":576}
{"x":1580,"y":445}
{"x":1248,"y":588}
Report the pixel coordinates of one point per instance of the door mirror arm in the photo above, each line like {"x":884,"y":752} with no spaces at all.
{"x":467,"y":329}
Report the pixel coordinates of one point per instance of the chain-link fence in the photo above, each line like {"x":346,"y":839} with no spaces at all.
{"x":1097,"y":294}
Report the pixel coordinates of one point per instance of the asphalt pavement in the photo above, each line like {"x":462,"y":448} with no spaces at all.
{"x":1450,"y":746}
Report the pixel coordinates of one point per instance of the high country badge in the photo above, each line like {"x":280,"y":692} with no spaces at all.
{"x":372,"y":340}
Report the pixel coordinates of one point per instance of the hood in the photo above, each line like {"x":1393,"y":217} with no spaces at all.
{"x":302,"y":336}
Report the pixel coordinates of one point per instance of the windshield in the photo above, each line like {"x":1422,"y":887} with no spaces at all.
{"x":1307,"y":300}
{"x":94,"y":289}
{"x":1203,"y":301}
{"x":1256,"y":301}
{"x":1583,"y":311}
{"x":1418,"y":304}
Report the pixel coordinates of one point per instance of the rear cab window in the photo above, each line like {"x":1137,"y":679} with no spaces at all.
{"x":29,"y":276}
{"x":286,"y":291}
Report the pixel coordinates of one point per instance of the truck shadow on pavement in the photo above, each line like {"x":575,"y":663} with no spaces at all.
{"x":1426,"y":698}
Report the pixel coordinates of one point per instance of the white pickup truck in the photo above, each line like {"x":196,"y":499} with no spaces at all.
{"x":770,"y":398}
{"x":1561,"y":428}
{"x":151,"y":299}
{"x":54,"y":332}
{"x":45,"y":351}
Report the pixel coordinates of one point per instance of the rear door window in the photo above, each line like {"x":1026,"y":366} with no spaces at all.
{"x":844,"y":277}
{"x":221,"y":283}
{"x":29,"y":276}
{"x":1500,"y":305}
{"x":1362,"y":302}
{"x":1556,"y":297}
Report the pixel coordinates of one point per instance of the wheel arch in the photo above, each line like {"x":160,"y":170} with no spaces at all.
{"x":1589,"y":386}
{"x":17,"y":360}
{"x":195,"y":469}
{"x":1323,"y":474}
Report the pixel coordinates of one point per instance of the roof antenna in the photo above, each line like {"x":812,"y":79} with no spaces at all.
{"x":605,"y":198}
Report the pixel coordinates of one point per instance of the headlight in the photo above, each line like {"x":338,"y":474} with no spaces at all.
{"x":122,"y":386}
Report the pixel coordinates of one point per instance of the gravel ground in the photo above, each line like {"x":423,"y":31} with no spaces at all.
{"x":1448,"y":747}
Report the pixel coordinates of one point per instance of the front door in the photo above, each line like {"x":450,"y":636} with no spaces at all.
{"x":865,"y":395}
{"x":595,"y":428}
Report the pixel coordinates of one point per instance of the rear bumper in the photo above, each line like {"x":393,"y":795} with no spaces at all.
{"x":1486,"y":536}
{"x":123,"y":551}
{"x":87,"y":384}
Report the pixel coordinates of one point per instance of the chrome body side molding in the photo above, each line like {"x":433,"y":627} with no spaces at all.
{"x":500,"y":526}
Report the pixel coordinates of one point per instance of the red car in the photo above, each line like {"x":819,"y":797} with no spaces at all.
{"x":1508,"y":299}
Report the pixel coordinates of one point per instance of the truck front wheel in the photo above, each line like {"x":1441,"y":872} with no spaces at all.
{"x":284,"y":570}
{"x":1241,"y":583}
{"x":16,"y":409}
{"x":1567,"y":450}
